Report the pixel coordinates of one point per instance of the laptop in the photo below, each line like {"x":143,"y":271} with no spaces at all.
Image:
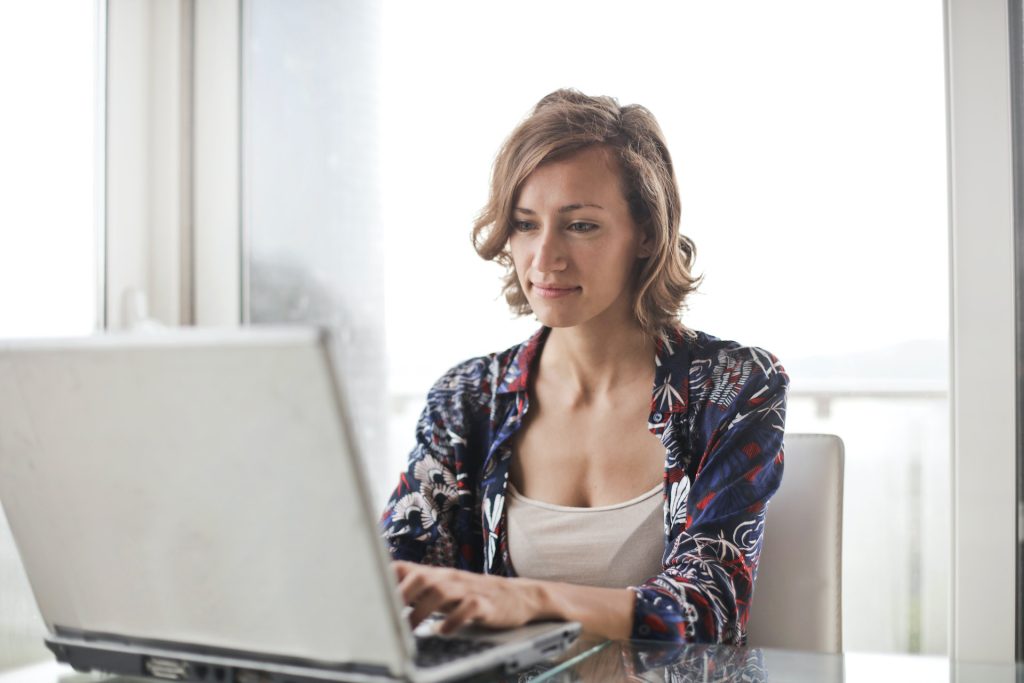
{"x":190,"y":505}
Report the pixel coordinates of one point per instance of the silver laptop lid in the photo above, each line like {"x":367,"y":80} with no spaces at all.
{"x":197,"y":487}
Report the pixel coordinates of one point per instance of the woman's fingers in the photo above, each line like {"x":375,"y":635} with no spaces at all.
{"x":433,"y":599}
{"x":465,"y":597}
{"x":401,"y":568}
{"x":412,"y":585}
{"x":429,"y":589}
{"x":470,"y":609}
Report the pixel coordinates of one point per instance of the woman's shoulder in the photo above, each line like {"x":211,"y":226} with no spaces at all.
{"x":723,"y":351}
{"x":483,"y":377}
{"x":717,"y":367}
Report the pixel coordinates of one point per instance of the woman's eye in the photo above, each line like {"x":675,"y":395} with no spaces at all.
{"x":522,"y":226}
{"x":580,"y":226}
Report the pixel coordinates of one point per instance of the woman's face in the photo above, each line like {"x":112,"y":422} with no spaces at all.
{"x":574,"y":243}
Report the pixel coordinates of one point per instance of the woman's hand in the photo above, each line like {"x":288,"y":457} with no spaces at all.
{"x":500,"y":602}
{"x":466,"y":597}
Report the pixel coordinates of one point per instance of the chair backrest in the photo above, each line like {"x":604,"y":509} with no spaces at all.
{"x":797,"y":603}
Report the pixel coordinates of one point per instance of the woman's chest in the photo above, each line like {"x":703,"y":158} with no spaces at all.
{"x":586,"y":458}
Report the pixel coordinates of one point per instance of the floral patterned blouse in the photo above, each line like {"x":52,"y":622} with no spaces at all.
{"x":719,"y":409}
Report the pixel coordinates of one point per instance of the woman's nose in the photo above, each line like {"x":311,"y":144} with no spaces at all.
{"x":550,"y":254}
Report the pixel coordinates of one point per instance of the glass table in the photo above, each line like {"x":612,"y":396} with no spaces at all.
{"x":591,"y":660}
{"x":638,"y":661}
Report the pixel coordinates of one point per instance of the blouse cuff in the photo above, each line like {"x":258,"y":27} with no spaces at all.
{"x":657,"y":617}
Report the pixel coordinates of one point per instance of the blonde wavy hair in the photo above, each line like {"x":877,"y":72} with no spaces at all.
{"x":565,"y":122}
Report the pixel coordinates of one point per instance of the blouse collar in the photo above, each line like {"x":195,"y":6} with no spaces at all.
{"x":669,"y":395}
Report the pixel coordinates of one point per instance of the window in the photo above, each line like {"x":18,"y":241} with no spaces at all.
{"x":810,"y":144}
{"x":49,"y":249}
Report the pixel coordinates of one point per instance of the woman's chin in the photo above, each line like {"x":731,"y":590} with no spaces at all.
{"x":556,"y":319}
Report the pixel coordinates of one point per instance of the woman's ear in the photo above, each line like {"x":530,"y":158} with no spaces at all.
{"x":646,"y":246}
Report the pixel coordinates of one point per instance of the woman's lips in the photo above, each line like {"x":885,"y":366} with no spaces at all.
{"x":552,"y":292}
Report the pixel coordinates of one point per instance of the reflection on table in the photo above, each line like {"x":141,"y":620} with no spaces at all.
{"x":593,"y":660}
{"x":637,"y":661}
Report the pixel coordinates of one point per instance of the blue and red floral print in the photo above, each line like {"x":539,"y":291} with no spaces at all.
{"x":719,"y":409}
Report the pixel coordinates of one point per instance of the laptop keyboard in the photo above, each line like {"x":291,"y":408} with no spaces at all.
{"x":434,"y":650}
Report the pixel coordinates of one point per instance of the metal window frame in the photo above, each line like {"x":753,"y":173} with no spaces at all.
{"x":1015,"y":13}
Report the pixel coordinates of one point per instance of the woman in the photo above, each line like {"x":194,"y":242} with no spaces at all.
{"x":532,"y":490}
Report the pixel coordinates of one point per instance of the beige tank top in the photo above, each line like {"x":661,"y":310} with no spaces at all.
{"x":612,"y":546}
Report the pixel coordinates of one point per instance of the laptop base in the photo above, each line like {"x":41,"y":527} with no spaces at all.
{"x":126,"y":659}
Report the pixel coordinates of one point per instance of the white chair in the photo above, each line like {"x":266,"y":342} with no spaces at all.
{"x":797,"y":603}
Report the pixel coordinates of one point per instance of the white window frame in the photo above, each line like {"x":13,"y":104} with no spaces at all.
{"x":219,"y":268}
{"x":145,"y":215}
{"x":172,"y":147}
{"x":983,"y":363}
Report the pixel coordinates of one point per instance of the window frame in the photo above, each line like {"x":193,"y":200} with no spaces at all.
{"x":172,"y":139}
{"x":982,"y":331}
{"x":1016,"y":42}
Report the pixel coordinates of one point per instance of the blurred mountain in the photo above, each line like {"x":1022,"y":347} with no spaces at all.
{"x":913,"y":361}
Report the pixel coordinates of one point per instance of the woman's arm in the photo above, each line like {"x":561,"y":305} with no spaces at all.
{"x":500,"y":602}
{"x":429,"y":518}
{"x":717,"y":520}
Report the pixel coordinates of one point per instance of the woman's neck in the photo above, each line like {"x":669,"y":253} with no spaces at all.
{"x":592,"y":364}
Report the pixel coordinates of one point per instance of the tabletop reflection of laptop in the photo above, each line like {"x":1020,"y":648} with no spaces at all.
{"x":189,"y":505}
